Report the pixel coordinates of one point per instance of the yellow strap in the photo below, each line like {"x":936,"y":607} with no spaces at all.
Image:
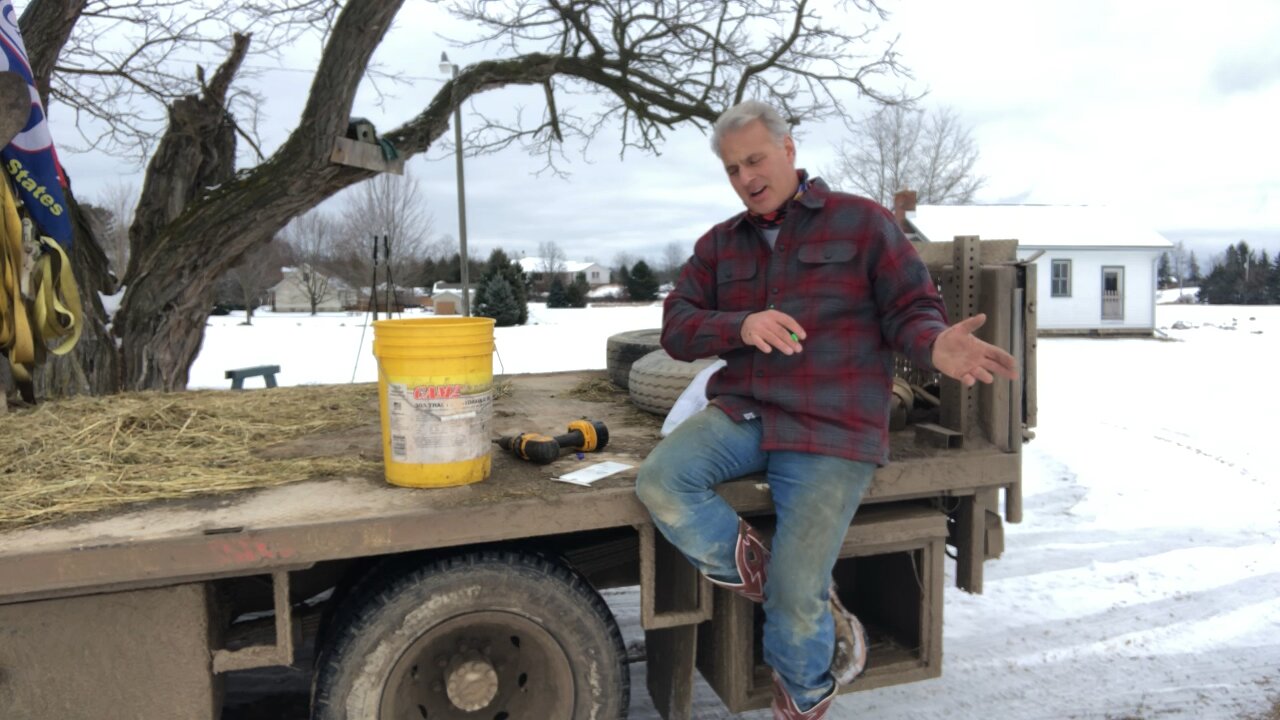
{"x":57,"y":301}
{"x":15,"y":326}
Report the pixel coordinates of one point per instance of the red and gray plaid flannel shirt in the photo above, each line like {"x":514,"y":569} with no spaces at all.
{"x":843,"y":269}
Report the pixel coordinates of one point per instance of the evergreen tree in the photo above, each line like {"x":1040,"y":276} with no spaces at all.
{"x":501,"y":265}
{"x":1226,"y":282}
{"x":642,"y":285}
{"x":451,"y":269}
{"x":479,"y":294}
{"x":1257,"y":286}
{"x":1193,"y":273}
{"x":576,"y":293}
{"x":624,"y":279}
{"x":1163,"y":272}
{"x":499,"y":301}
{"x":430,"y":272}
{"x":556,"y":297}
{"x":1273,"y":283}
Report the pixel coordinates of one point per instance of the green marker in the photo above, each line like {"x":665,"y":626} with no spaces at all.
{"x":795,"y":337}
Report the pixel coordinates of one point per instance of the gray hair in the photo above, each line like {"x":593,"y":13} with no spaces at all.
{"x":747,"y":112}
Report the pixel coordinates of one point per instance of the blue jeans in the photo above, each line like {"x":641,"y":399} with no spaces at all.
{"x":815,"y":497}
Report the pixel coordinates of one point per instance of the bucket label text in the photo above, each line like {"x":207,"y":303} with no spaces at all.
{"x":432,"y":424}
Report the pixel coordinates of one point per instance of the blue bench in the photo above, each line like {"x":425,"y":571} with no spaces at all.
{"x":268,"y":372}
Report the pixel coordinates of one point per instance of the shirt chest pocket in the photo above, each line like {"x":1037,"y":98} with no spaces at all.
{"x":737,"y":284}
{"x":830,"y":268}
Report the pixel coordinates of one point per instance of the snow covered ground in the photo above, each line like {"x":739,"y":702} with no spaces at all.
{"x":1144,"y":581}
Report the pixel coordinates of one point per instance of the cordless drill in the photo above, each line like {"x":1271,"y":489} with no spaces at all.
{"x":583,"y":436}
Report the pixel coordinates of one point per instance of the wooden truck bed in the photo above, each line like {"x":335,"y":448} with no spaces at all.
{"x":297,"y":525}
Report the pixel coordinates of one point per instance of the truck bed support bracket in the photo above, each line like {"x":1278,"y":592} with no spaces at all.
{"x":265,"y":655}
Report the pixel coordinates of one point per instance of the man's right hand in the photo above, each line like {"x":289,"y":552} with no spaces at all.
{"x":772,"y":329}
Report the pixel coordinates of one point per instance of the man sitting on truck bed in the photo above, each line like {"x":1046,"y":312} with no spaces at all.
{"x":806,"y":296}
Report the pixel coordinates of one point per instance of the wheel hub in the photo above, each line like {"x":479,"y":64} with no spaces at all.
{"x":481,"y":665}
{"x":471,"y":682}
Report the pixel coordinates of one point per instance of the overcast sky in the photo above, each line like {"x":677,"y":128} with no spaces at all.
{"x":1169,"y":109}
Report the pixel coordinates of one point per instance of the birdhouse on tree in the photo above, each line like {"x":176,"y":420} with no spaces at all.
{"x":362,"y":130}
{"x":362,"y":148}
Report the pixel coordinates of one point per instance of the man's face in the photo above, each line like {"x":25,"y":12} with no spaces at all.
{"x":762,"y":172}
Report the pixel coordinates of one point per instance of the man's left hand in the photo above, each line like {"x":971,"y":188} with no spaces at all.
{"x":958,"y":354}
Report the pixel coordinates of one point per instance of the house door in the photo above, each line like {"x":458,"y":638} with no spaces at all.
{"x":1112,"y":293}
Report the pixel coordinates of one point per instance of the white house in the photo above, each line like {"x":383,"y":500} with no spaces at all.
{"x":294,"y":293}
{"x":1097,"y":270}
{"x":446,"y":298}
{"x":535,"y":268}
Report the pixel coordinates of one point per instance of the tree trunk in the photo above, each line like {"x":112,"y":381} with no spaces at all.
{"x":181,"y":247}
{"x":171,"y":275}
{"x":248,"y":305}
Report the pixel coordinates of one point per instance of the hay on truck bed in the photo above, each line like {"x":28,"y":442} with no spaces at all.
{"x":88,"y":454}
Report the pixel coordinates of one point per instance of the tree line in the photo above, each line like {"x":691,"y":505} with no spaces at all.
{"x":1242,"y":276}
{"x":380,"y":242}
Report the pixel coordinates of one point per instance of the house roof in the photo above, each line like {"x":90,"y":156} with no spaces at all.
{"x":536,"y":264}
{"x":1036,"y":226}
{"x":335,"y":283}
{"x":441,"y":286}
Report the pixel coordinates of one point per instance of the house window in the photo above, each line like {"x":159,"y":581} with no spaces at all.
{"x":595,"y":274}
{"x":1061,"y":285}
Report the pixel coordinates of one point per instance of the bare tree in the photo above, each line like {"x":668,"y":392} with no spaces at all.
{"x":387,"y":207}
{"x":1178,"y":256}
{"x":315,"y":285}
{"x":312,"y":238}
{"x":674,"y":256}
{"x":642,"y":68}
{"x":623,"y":260}
{"x":256,"y":273}
{"x":118,"y":201}
{"x":553,"y":258}
{"x":901,"y":148}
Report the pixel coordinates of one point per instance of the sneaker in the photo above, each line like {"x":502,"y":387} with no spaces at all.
{"x":784,"y":708}
{"x":849,"y":658}
{"x":752,"y":558}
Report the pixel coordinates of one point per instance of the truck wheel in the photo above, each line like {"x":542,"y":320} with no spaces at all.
{"x":657,"y":379}
{"x":627,"y":347}
{"x":483,"y":635}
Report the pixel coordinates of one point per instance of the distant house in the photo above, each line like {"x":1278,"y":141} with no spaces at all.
{"x":1096,"y":273}
{"x":446,"y":298}
{"x":300,"y":284}
{"x":535,"y":269}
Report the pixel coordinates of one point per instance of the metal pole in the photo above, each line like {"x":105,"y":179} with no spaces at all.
{"x":462,"y":205}
{"x":386,"y":254}
{"x":373,"y":289}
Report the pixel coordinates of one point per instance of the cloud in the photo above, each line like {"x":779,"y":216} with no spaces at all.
{"x":1238,"y":72}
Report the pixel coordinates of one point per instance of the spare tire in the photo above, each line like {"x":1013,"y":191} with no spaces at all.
{"x":627,"y":347}
{"x":657,"y":379}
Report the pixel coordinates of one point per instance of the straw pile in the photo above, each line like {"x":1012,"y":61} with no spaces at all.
{"x":89,"y":454}
{"x":598,"y":390}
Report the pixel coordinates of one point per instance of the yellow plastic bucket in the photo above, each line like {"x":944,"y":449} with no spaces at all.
{"x":435,"y":397}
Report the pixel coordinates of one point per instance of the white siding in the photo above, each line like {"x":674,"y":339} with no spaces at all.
{"x":290,"y":295}
{"x":1083,"y":309}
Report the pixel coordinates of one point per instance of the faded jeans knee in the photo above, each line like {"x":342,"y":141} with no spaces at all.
{"x":654,"y":490}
